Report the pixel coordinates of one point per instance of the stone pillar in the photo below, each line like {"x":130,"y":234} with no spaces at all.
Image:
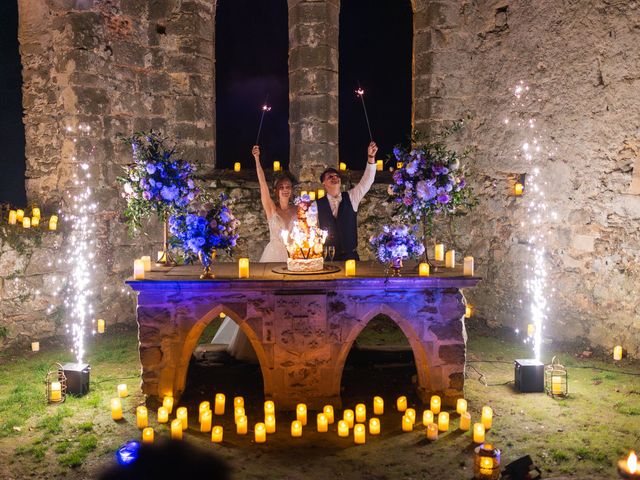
{"x":313,"y":86}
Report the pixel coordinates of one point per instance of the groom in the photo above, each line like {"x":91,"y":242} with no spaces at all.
{"x":337,"y":211}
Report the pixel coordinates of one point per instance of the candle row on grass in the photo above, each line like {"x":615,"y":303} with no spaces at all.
{"x":18,"y":217}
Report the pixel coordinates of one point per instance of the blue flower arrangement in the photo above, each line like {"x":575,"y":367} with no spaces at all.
{"x":395,"y":242}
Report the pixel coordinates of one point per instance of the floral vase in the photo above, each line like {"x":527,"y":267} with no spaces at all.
{"x":207,"y":261}
{"x":396,"y":265}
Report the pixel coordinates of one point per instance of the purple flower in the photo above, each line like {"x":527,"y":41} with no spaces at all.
{"x":151,"y":168}
{"x":443,"y":198}
{"x":412,"y":167}
{"x":146,"y":195}
{"x":169,"y":193}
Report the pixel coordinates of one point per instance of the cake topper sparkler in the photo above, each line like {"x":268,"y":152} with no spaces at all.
{"x":360,"y":93}
{"x":264,"y":109}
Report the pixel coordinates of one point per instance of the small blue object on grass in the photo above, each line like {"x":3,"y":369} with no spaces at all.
{"x":128,"y":452}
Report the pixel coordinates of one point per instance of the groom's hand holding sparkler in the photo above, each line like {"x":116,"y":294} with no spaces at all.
{"x":255,"y":151}
{"x":371,"y":152}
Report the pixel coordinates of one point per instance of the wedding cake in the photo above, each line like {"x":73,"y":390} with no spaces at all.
{"x":305,"y":241}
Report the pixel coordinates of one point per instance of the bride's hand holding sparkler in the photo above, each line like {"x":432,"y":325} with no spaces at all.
{"x":371,"y":152}
{"x":255,"y":151}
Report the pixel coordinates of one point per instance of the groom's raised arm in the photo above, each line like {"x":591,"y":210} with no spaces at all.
{"x":357,"y":193}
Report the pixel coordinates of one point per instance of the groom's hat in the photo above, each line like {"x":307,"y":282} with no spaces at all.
{"x":328,"y":170}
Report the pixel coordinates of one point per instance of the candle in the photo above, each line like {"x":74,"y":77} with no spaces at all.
{"x":219,"y":405}
{"x":359,"y":434}
{"x":276,"y":166}
{"x":12,"y":217}
{"x":450,"y":259}
{"x":35,"y":212}
{"x":399,"y":165}
{"x":461,"y":406}
{"x":435,"y":404}
{"x":123,"y":392}
{"x":378,"y":406}
{"x":518,"y":189}
{"x":35,"y":346}
{"x":19,"y":215}
{"x":556,"y":385}
{"x":617,"y":352}
{"x":147,"y":435}
{"x":237,"y":413}
{"x":468,"y":267}
{"x":465,"y":421}
{"x":411,"y":413}
{"x":312,"y":196}
{"x":270,"y":423}
{"x":35,"y":222}
{"x":167,"y":402}
{"x":100,"y":325}
{"x":328,"y":411}
{"x":176,"y":429}
{"x":163,"y":415}
{"x":216,"y":434}
{"x":303,"y":193}
{"x":342,"y":166}
{"x":322,"y":423}
{"x":531,"y":329}
{"x":203,"y":407}
{"x":320,"y":193}
{"x":296,"y":428}
{"x":439,"y":252}
{"x":26,"y":222}
{"x":468,"y":310}
{"x":142,"y":417}
{"x":423,"y":270}
{"x":407,"y":424}
{"x":379,"y":165}
{"x":350,"y":268}
{"x":260,"y":433}
{"x":487,"y":417}
{"x":349,"y":417}
{"x":183,"y":416}
{"x":343,"y":429}
{"x":374,"y":426}
{"x":361,"y":413}
{"x":146,"y":262}
{"x":138,"y":269}
{"x":401,"y":403}
{"x":628,"y":467}
{"x":443,"y":421}
{"x":301,"y":413}
{"x":427,"y":417}
{"x":243,"y":268}
{"x":432,"y":431}
{"x":160,"y":256}
{"x":478,"y":433}
{"x":241,"y":425}
{"x":236,"y":167}
{"x":116,"y":407}
{"x":55,"y":395}
{"x":53,"y":222}
{"x":238,"y":401}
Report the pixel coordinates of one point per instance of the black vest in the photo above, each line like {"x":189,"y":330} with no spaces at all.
{"x":343,"y":230}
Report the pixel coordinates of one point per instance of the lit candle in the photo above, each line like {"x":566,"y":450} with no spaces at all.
{"x":407,"y":424}
{"x":379,"y":165}
{"x":435,"y":404}
{"x":260,"y":433}
{"x":236,"y":167}
{"x":518,"y":188}
{"x":176,"y":429}
{"x":26,"y":222}
{"x":399,"y":165}
{"x":312,"y":196}
{"x":378,"y":406}
{"x":116,"y":408}
{"x":478,"y":433}
{"x":146,"y":262}
{"x":411,"y":413}
{"x":100,"y":325}
{"x":296,"y":428}
{"x":439,"y":252}
{"x":320,"y":193}
{"x":342,"y":166}
{"x":427,"y":417}
{"x":359,"y":434}
{"x":432,"y":431}
{"x":556,"y":385}
{"x":450,"y":259}
{"x":147,"y":435}
{"x":443,"y":421}
{"x":138,"y":269}
{"x":19,"y":215}
{"x":243,"y":268}
{"x":361,"y":413}
{"x":487,"y":417}
{"x":12,"y":217}
{"x":276,"y":166}
{"x":123,"y":392}
{"x":628,"y":467}
{"x":461,"y":406}
{"x":160,"y":256}
{"x":301,"y":413}
{"x":374,"y":426}
{"x":35,"y":212}
{"x":349,"y":417}
{"x":241,"y":425}
{"x":328,"y":411}
{"x":322,"y":423}
{"x":617,"y":352}
{"x":343,"y":429}
{"x":465,"y":421}
{"x":303,"y":193}
{"x":35,"y":222}
{"x":203,"y":407}
{"x":423,"y":270}
{"x":142,"y":417}
{"x":531,"y":329}
{"x":183,"y":416}
{"x":55,"y":395}
{"x":239,"y":412}
{"x":350,"y":268}
{"x":53,"y":222}
{"x":216,"y":434}
{"x":35,"y":346}
{"x":468,"y":310}
{"x":219,"y":405}
{"x":401,"y":403}
{"x":167,"y":402}
{"x":270,"y":423}
{"x":468,"y":267}
{"x":237,"y":401}
{"x":163,"y":415}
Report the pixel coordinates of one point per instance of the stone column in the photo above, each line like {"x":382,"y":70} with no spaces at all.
{"x":313,"y":86}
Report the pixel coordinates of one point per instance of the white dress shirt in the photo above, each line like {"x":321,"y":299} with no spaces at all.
{"x":357,"y":193}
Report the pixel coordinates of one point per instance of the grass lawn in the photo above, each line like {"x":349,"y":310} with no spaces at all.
{"x":580,"y":437}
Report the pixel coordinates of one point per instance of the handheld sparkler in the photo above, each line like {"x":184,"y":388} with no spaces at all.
{"x":360,"y":93}
{"x":265,"y":108}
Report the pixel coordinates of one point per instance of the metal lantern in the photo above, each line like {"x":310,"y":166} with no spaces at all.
{"x":556,"y":379}
{"x":56,"y":384}
{"x":486,"y":465}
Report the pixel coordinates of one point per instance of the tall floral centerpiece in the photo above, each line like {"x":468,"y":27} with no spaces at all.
{"x":395,"y":244}
{"x":157,"y":183}
{"x":201,"y":235}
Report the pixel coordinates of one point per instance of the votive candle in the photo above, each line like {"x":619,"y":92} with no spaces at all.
{"x":123,"y":392}
{"x":116,"y":408}
{"x":239,"y":412}
{"x":461,"y":406}
{"x":468,"y":267}
{"x":12,"y":217}
{"x":349,"y":417}
{"x":203,"y":407}
{"x":35,"y":346}
{"x":312,"y":195}
{"x":205,"y":421}
{"x":322,"y":423}
{"x":236,"y":167}
{"x":146,"y":262}
{"x":342,"y":166}
{"x":238,"y":402}
{"x":328,"y":411}
{"x":19,"y":215}
{"x":450,"y":259}
{"x":301,"y":413}
{"x":35,"y":222}
{"x":343,"y":429}
{"x":487,"y":417}
{"x":26,"y":222}
{"x":617,"y":352}
{"x":35,"y":212}
{"x":359,"y":434}
{"x":465,"y":421}
{"x":320,"y":193}
{"x":269,"y":407}
{"x":411,"y":413}
{"x":379,"y":165}
{"x":167,"y":402}
{"x":361,"y":413}
{"x":439,"y":252}
{"x":427,"y":417}
{"x":219,"y":404}
{"x":142,"y":417}
{"x":55,"y":395}
{"x":243,"y":268}
{"x":176,"y":429}
{"x":138,"y":269}
{"x":350,"y":268}
{"x":296,"y":428}
{"x":374,"y":426}
{"x":276,"y":166}
{"x":478,"y":433}
{"x":378,"y":405}
{"x":468,"y":310}
{"x":423,"y":269}
{"x":147,"y":435}
{"x":242,"y":425}
{"x":407,"y":424}
{"x":401,"y":403}
{"x":270,"y":423}
{"x":217,"y":433}
{"x":53,"y":222}
{"x":163,"y":415}
{"x":518,"y":188}
{"x":443,"y":421}
{"x":260,"y":433}
{"x":435,"y":404}
{"x":183,"y":415}
{"x":101,"y":325}
{"x":432,"y":432}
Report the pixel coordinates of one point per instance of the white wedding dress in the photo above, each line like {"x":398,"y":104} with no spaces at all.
{"x":229,"y":333}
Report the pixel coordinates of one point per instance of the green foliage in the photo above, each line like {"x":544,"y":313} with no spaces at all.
{"x":4,"y":331}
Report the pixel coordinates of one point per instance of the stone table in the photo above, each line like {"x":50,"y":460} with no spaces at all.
{"x":302,"y":327}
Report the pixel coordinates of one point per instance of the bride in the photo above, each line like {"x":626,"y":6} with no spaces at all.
{"x":280,"y":215}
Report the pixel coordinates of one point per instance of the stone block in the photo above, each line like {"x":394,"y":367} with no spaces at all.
{"x":452,"y":354}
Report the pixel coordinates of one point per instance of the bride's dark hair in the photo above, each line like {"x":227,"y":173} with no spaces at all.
{"x":281,"y":177}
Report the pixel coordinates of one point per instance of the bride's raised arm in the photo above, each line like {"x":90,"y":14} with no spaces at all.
{"x":265,"y":196}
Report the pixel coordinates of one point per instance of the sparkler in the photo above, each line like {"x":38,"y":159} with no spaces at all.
{"x":265,"y":108}
{"x":360,"y":93}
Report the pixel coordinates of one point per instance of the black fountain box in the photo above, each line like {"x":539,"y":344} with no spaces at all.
{"x":529,"y":375}
{"x":77,"y":378}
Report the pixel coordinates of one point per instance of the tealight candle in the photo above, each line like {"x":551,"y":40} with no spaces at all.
{"x":487,"y":417}
{"x":617,"y":352}
{"x":301,"y":413}
{"x":26,"y":222}
{"x":518,"y":188}
{"x":100,"y":325}
{"x":439,"y":252}
{"x":242,"y":425}
{"x":276,"y":166}
{"x":269,"y":407}
{"x":374,"y":426}
{"x":35,"y":212}
{"x":138,"y":269}
{"x":401,"y":403}
{"x":443,"y":421}
{"x":343,"y":429}
{"x":35,"y":346}
{"x":53,"y":222}
{"x":183,"y":415}
{"x":167,"y":402}
{"x":328,"y":411}
{"x":163,"y":415}
{"x":478,"y":433}
{"x":423,"y":269}
{"x":260,"y":433}
{"x":116,"y":407}
{"x":146,"y":262}
{"x":411,"y":413}
{"x":19,"y":215}
{"x":432,"y":431}
{"x":296,"y":428}
{"x":142,"y":417}
{"x":236,"y":167}
{"x":407,"y":424}
{"x":270,"y":423}
{"x":322,"y":423}
{"x":468,"y":310}
{"x":349,"y":417}
{"x":379,"y":165}
{"x":203,"y":407}
{"x":219,"y":405}
{"x":123,"y":392}
{"x":237,"y":401}
{"x":55,"y":395}
{"x":556,"y":385}
{"x":361,"y":413}
{"x":342,"y":166}
{"x":176,"y":429}
{"x":465,"y":421}
{"x":216,"y":434}
{"x":350,"y":268}
{"x":378,"y":406}
{"x":147,"y":435}
{"x":468,"y":267}
{"x":35,"y":222}
{"x":243,"y":268}
{"x":320,"y":193}
{"x":435,"y":404}
{"x":427,"y":417}
{"x":359,"y":434}
{"x":12,"y":217}
{"x":312,"y":196}
{"x":239,"y":412}
{"x":450,"y":259}
{"x":461,"y":406}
